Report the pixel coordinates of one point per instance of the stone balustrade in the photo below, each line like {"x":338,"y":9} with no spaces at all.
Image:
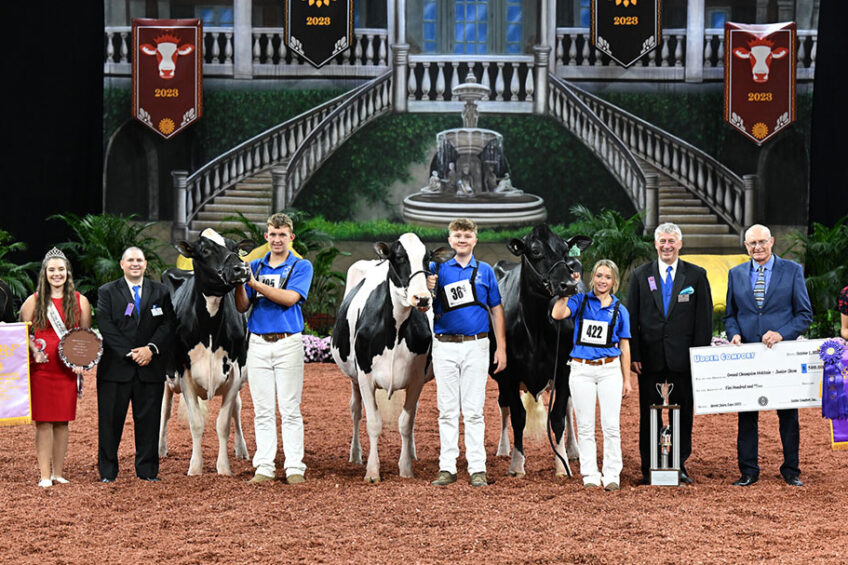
{"x":580,"y":118}
{"x":725,"y":192}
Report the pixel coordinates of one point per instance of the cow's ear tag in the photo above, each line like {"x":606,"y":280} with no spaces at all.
{"x":574,"y":251}
{"x":516,"y":247}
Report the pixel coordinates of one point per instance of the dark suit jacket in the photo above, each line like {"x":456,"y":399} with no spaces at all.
{"x":659,"y":341}
{"x":121,"y":333}
{"x":786,"y":308}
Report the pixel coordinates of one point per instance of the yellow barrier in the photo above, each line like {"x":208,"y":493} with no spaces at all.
{"x":717,"y":267}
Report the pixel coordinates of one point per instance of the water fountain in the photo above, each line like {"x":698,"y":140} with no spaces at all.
{"x":470,"y":176}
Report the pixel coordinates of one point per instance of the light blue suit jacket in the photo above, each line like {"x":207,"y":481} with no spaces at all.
{"x":786,"y":308}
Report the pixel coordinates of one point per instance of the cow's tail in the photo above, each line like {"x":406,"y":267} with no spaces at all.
{"x":182,"y":409}
{"x":537,"y":417}
{"x":390,"y":407}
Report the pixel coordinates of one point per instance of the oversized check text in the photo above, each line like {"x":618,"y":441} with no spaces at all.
{"x":750,"y":377}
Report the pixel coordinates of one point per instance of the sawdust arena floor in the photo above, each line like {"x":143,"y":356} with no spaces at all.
{"x":337,"y":518}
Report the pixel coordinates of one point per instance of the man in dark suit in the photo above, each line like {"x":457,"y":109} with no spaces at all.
{"x":136,"y":320}
{"x":671,"y":310}
{"x":767,"y":302}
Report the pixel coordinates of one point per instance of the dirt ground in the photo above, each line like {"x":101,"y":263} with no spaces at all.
{"x":336,"y":518}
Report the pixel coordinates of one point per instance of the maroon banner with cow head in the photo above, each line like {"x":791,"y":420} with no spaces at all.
{"x":759,"y":78}
{"x":625,"y":29}
{"x":167,"y":65}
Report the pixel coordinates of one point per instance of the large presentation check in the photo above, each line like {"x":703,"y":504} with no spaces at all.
{"x":749,"y":377}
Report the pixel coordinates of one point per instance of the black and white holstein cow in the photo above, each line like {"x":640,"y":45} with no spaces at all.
{"x":527,"y":290}
{"x":211,"y":343}
{"x":382,"y":339}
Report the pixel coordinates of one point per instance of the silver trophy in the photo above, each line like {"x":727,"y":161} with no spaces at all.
{"x":665,"y":439}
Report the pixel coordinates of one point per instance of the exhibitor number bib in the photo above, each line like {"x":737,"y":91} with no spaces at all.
{"x":459,"y":294}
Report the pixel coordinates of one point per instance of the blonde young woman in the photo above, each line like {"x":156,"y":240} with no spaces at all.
{"x":600,"y":370}
{"x":54,"y":308}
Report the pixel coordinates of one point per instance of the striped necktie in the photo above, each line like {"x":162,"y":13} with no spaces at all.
{"x":760,"y":286}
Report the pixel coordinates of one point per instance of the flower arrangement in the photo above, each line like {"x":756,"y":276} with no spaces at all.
{"x":316,"y":349}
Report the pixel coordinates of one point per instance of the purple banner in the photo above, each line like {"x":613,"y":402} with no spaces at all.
{"x":15,"y":408}
{"x":839,"y":434}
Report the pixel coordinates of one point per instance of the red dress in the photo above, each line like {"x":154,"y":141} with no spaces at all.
{"x":53,"y":385}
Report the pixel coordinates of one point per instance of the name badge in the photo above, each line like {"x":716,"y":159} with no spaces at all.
{"x":459,"y":293}
{"x":683,"y":297}
{"x":156,"y":311}
{"x":593,"y":332}
{"x":271,"y":280}
{"x":129,"y":309}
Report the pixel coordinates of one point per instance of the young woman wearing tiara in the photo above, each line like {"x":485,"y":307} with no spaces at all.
{"x":54,"y":308}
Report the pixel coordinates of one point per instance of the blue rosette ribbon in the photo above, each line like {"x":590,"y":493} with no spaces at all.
{"x":834,"y":377}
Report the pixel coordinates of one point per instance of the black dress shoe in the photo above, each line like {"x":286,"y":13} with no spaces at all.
{"x":644,"y":481}
{"x":793,"y":481}
{"x":105,"y":480}
{"x":746,"y":481}
{"x":685,"y":478}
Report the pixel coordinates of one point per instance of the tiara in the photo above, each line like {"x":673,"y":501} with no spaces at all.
{"x":55,"y":253}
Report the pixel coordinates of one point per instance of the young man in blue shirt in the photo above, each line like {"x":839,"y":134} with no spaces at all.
{"x":278,"y":287}
{"x":466,"y":291}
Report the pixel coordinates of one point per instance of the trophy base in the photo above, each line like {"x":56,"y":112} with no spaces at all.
{"x":665,"y":477}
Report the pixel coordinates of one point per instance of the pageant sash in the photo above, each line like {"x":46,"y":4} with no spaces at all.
{"x":56,"y":321}
{"x":15,"y":406}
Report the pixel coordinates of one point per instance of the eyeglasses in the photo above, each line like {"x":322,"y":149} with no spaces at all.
{"x":758,"y":243}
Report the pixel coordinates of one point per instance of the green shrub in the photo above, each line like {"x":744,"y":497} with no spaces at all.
{"x":100,"y":241}
{"x":20,"y":278}
{"x":823,"y":253}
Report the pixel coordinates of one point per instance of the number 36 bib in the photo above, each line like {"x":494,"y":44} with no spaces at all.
{"x":460,"y":294}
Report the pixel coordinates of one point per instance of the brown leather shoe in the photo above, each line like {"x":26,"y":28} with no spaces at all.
{"x":260,"y":478}
{"x":479,"y":479}
{"x":295,"y":479}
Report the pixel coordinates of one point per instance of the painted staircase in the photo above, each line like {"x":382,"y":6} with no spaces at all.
{"x":252,"y":197}
{"x":703,"y":230}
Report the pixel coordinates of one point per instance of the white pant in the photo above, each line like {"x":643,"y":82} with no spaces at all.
{"x":604,"y":383}
{"x":275,"y":372}
{"x":461,"y":371}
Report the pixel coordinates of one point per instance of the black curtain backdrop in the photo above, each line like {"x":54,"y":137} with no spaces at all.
{"x":828,"y":162}
{"x":52,"y":119}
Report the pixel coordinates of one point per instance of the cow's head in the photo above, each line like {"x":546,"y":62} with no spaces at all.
{"x":760,"y":55}
{"x":409,"y":262}
{"x":167,"y":50}
{"x":547,"y":266}
{"x":217,"y":266}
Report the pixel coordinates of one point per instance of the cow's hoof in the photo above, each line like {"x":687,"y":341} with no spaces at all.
{"x":503,"y":452}
{"x":516,"y":474}
{"x":372,"y":480}
{"x":407,"y":475}
{"x":355,"y":460}
{"x":561,"y":475}
{"x":225,"y":472}
{"x":163,"y":452}
{"x":194,"y":473}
